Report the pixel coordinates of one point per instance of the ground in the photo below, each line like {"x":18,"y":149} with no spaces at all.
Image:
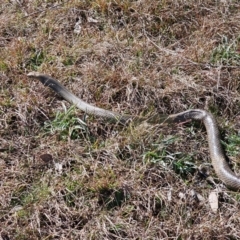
{"x":66,"y":175}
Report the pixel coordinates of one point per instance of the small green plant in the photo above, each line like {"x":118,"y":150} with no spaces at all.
{"x":3,"y":65}
{"x":72,"y":187}
{"x":155,"y":156}
{"x":233,"y":145}
{"x":181,"y":163}
{"x":68,"y":61}
{"x":226,"y":53}
{"x":184,"y":165}
{"x":24,"y":196}
{"x":66,"y":125}
{"x":37,"y":59}
{"x":159,"y":151}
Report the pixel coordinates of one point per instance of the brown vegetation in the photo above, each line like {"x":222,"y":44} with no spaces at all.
{"x":61,"y":178}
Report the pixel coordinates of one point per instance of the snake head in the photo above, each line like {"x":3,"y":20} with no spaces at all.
{"x":33,"y":74}
{"x":46,"y":80}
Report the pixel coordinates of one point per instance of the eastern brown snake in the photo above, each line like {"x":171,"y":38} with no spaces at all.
{"x":217,"y":155}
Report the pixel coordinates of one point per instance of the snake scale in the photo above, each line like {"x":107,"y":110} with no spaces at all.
{"x":219,"y":162}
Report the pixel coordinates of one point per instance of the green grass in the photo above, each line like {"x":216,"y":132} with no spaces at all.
{"x":227,"y":52}
{"x":160,"y":153}
{"x":66,"y":125}
{"x":232,"y":145}
{"x":32,"y":195}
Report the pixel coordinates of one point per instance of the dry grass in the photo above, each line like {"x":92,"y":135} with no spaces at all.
{"x":107,"y":181}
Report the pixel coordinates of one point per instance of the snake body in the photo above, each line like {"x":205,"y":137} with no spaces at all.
{"x":219,"y":162}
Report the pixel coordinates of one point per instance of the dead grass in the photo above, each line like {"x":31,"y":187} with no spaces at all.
{"x":108,"y":181}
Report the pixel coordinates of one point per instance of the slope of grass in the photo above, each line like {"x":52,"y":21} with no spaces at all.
{"x":65,"y":175}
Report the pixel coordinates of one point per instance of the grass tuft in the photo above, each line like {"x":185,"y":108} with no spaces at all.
{"x":66,"y":125}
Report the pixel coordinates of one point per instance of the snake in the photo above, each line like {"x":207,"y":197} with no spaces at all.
{"x":217,"y":155}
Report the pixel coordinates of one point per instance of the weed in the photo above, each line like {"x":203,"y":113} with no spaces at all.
{"x":184,"y":165}
{"x":35,"y":194}
{"x":181,"y":163}
{"x":68,"y":61}
{"x":36,"y":59}
{"x":232,"y":145}
{"x":66,"y":125}
{"x":3,"y":65}
{"x":226,"y":53}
